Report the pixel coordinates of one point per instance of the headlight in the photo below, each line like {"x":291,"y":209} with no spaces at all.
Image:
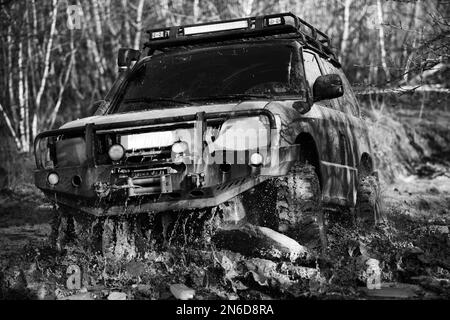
{"x":53,"y":178}
{"x":179,"y":147}
{"x":243,"y":134}
{"x":116,"y":152}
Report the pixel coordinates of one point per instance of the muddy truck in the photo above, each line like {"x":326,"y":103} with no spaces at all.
{"x":240,"y":122}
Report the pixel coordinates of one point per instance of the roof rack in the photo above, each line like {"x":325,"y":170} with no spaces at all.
{"x":273,"y":24}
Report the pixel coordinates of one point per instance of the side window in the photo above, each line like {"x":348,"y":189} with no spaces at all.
{"x":312,"y":69}
{"x":347,"y":103}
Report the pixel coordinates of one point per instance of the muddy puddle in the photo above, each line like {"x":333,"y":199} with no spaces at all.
{"x":412,"y":249}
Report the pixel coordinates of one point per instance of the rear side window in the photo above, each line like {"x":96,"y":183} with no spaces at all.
{"x":347,"y":102}
{"x":312,"y":69}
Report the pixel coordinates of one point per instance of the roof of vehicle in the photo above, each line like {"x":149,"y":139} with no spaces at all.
{"x":274,"y":26}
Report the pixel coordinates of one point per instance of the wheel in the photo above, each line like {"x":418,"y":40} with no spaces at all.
{"x":299,"y":206}
{"x":369,"y":208}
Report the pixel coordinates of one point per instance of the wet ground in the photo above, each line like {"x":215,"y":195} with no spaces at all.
{"x":412,"y":247}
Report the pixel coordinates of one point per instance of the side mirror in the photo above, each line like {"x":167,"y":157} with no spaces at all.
{"x":99,"y":107}
{"x":126,"y":56}
{"x":328,"y":87}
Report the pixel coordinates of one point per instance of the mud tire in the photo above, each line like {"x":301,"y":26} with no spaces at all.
{"x":299,"y":206}
{"x":369,"y":204}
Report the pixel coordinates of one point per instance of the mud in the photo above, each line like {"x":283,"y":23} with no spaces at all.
{"x":412,"y":246}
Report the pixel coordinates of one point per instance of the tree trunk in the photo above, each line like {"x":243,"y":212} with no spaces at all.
{"x":61,"y":90}
{"x":195,"y":11}
{"x":346,"y":32}
{"x":21,"y":93}
{"x":46,"y":68}
{"x":11,"y":128}
{"x":382,"y":43}
{"x":414,"y":44}
{"x":126,"y":23}
{"x":137,"y":39}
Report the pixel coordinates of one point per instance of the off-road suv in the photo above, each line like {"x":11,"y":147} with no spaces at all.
{"x":253,"y":117}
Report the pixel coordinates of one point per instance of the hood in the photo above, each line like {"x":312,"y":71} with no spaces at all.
{"x":168,"y":112}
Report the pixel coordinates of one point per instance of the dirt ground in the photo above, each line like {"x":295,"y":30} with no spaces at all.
{"x":412,"y":247}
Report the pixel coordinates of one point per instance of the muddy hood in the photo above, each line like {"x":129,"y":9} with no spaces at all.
{"x":168,"y":112}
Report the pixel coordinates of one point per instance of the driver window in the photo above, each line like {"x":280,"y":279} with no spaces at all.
{"x":312,"y":69}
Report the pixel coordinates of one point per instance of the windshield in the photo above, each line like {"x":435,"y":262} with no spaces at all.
{"x":207,"y":75}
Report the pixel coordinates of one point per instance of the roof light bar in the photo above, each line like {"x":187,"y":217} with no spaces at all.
{"x":233,"y":25}
{"x":281,"y":23}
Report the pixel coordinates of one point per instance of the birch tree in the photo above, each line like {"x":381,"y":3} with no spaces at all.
{"x":382,"y":41}
{"x":46,"y":68}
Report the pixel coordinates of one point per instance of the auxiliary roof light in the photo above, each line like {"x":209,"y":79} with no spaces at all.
{"x":275,"y":21}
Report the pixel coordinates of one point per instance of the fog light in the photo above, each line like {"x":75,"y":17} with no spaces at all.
{"x":256,"y":159}
{"x":116,"y":152}
{"x":179,"y":147}
{"x":53,"y":178}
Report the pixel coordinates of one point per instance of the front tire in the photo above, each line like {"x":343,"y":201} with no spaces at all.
{"x":299,"y":206}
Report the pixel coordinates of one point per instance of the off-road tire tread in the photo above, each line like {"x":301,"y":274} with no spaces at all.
{"x":369,"y":205}
{"x":298,"y":205}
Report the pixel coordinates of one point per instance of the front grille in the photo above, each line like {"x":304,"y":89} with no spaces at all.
{"x":162,"y":154}
{"x":133,"y":156}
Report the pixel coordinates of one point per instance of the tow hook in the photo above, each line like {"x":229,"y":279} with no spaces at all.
{"x":102,"y":189}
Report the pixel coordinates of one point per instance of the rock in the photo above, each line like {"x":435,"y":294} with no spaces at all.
{"x":373,"y":274}
{"x":259,"y":241}
{"x":433,"y":284}
{"x":41,"y":292}
{"x":434,"y":229}
{"x":394,"y":291}
{"x":413,"y":251}
{"x":441,"y":229}
{"x":79,"y":296}
{"x":287,"y":246}
{"x":238,"y":285}
{"x":299,"y":272}
{"x":115,"y":295}
{"x":262,"y":270}
{"x":135,"y":268}
{"x":265,"y":273}
{"x":16,"y":279}
{"x":144,"y":289}
{"x":182,"y":292}
{"x":59,"y":294}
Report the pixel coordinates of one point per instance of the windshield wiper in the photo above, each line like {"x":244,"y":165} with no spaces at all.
{"x":234,"y":96}
{"x":158,"y":100}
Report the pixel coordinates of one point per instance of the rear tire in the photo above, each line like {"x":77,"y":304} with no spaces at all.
{"x":369,"y":204}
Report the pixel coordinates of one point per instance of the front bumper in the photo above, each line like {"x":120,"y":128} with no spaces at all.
{"x":200,"y":185}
